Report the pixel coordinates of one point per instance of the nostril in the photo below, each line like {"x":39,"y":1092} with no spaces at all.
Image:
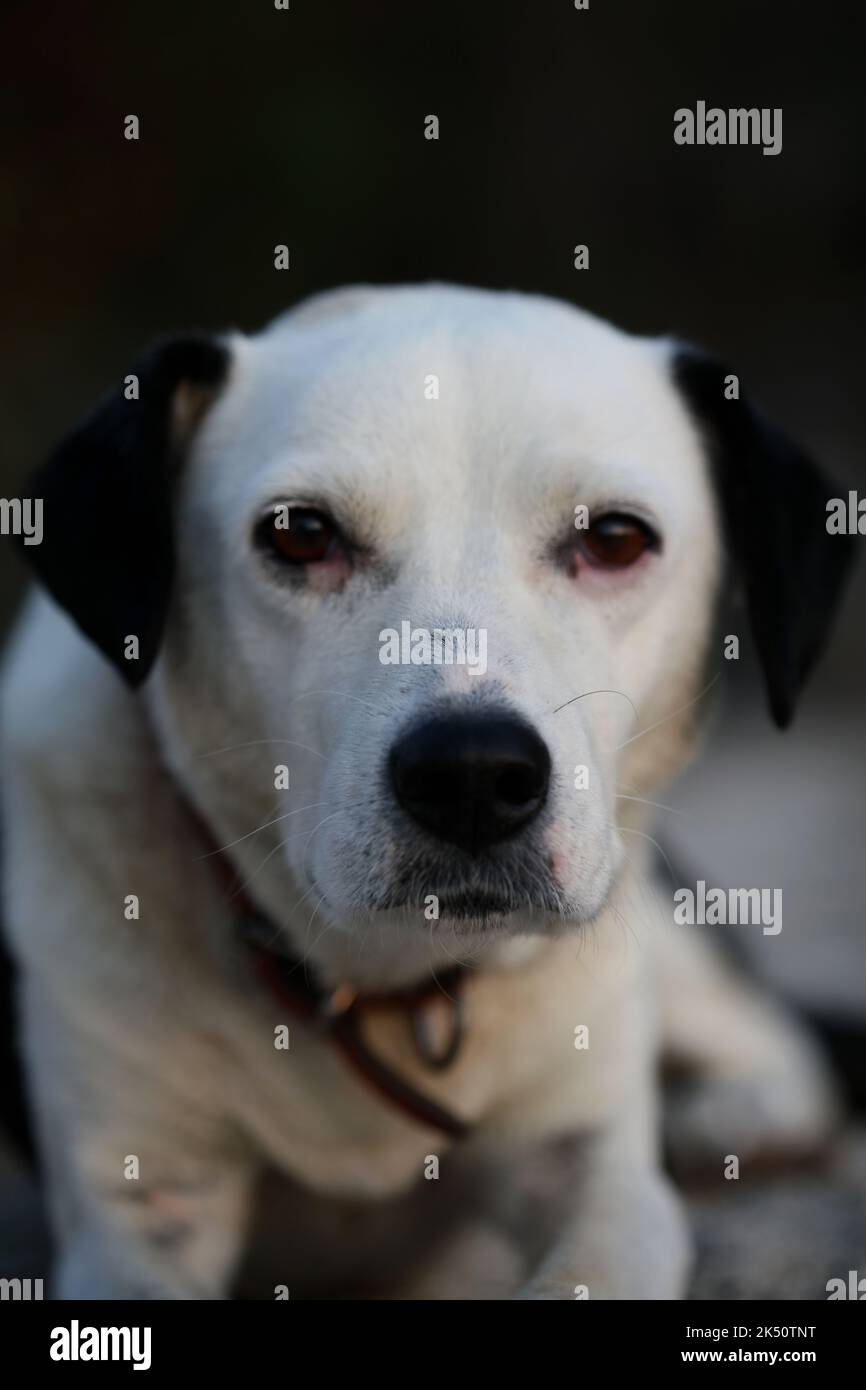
{"x":517,"y":785}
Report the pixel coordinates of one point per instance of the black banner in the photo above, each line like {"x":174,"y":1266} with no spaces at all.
{"x":162,"y":1339}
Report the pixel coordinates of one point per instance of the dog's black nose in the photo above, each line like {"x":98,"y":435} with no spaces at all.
{"x":471,"y":779}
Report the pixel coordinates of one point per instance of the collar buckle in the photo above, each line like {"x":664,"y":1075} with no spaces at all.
{"x":439,"y":1058}
{"x":336,"y":1004}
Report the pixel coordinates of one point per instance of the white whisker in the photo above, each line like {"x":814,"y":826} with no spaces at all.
{"x":621,"y":796}
{"x":629,"y":831}
{"x":259,"y":828}
{"x":597,"y":692}
{"x":254,"y":742}
{"x":343,"y":694}
{"x":672,"y":715}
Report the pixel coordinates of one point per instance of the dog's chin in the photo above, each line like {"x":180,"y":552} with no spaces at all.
{"x":441,"y":900}
{"x":483,"y":898}
{"x":472,"y":917}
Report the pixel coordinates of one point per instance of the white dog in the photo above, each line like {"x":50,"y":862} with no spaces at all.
{"x":301,"y":893}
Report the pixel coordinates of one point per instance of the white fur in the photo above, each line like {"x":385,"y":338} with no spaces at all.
{"x":151,"y":1038}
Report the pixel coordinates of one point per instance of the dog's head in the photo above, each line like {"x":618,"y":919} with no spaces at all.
{"x":445,"y":561}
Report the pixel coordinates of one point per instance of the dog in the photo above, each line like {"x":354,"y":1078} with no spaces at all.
{"x":288,"y":899}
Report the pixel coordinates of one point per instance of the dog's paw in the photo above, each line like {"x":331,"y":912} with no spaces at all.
{"x":766,"y":1121}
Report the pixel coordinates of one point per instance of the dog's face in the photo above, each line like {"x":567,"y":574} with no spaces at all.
{"x":452,"y":781}
{"x":449,"y":557}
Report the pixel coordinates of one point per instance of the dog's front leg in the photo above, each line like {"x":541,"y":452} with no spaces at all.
{"x":149,"y":1184}
{"x":625,"y":1234}
{"x":169,"y":1241}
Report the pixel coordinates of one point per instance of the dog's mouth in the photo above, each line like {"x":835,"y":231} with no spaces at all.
{"x":468,"y":906}
{"x":450,"y":888}
{"x":458,"y":905}
{"x":489,"y":900}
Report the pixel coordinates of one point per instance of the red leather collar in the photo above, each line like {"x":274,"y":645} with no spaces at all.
{"x":339,"y":1013}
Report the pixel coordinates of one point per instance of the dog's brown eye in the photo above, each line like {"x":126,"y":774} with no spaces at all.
{"x":297,"y":535}
{"x":616,"y":540}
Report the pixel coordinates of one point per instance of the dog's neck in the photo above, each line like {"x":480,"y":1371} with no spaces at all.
{"x":374,"y":961}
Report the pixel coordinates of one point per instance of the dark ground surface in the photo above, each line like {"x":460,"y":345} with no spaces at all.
{"x":777,"y":1237}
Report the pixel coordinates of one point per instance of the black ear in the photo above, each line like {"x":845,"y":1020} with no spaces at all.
{"x":106,"y":554}
{"x":774,"y":508}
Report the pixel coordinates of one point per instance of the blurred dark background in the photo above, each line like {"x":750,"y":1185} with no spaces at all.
{"x":306,"y":127}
